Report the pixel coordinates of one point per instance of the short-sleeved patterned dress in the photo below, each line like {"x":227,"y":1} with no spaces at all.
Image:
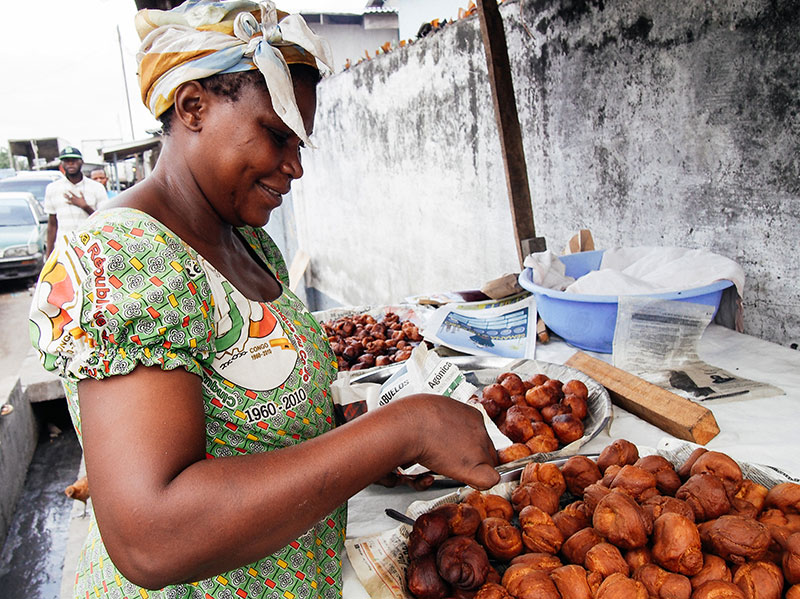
{"x":124,"y":290}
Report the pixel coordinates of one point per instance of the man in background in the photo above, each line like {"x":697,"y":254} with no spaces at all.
{"x":70,"y":200}
{"x":99,"y":175}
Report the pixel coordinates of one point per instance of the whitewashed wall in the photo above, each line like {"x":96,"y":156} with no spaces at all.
{"x":646,"y":122}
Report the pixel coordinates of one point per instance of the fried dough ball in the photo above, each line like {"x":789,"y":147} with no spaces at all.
{"x":535,"y":493}
{"x":714,"y":568}
{"x":430,"y":530}
{"x":676,"y":544}
{"x":635,"y":481}
{"x":791,"y":559}
{"x":567,"y":427}
{"x":577,"y":388}
{"x":606,"y":559}
{"x":660,"y":504}
{"x":539,"y":533}
{"x":501,"y":539}
{"x":735,"y":538}
{"x":538,"y":379}
{"x":498,"y":394}
{"x":542,"y":443}
{"x":620,"y":452}
{"x":513,"y":452}
{"x":423,"y":580}
{"x":718,"y":589}
{"x":636,"y":558}
{"x":577,"y":546}
{"x":557,"y":385}
{"x":572,"y":518}
{"x":492,"y":590}
{"x":579,"y":472}
{"x":721,"y":465}
{"x":571,"y":582}
{"x":533,"y":584}
{"x":785,"y":497}
{"x":749,"y":499}
{"x":462,"y":518}
{"x":793,"y":592}
{"x":705,"y":494}
{"x":516,"y":425}
{"x":491,"y":408}
{"x":662,"y":584}
{"x":622,"y":521}
{"x":610,"y":474}
{"x":542,"y":396}
{"x":759,"y":580}
{"x":489,"y":505}
{"x":593,"y":494}
{"x":667,"y":480}
{"x":548,"y":474}
{"x":538,"y":561}
{"x":619,"y":586}
{"x":550,"y":412}
{"x":512,"y":382}
{"x":577,"y":406}
{"x":462,"y":562}
{"x":685,"y":469}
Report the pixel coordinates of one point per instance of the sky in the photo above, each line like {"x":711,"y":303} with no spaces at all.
{"x":62,"y":69}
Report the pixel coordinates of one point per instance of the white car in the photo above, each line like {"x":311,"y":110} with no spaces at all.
{"x":34,"y":182}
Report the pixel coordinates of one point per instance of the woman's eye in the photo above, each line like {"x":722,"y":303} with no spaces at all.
{"x":279,"y":138}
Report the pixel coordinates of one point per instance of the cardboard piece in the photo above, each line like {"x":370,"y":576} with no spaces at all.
{"x":678,"y":416}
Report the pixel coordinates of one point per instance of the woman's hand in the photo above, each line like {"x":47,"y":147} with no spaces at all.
{"x":450,"y":439}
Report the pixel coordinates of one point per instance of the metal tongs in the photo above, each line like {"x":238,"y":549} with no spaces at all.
{"x":511,"y":472}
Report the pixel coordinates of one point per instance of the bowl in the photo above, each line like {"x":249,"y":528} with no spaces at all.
{"x":588,"y":321}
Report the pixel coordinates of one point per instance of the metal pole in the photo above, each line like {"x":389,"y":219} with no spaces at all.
{"x":125,"y":81}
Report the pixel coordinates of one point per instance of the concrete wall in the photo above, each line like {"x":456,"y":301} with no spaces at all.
{"x":18,"y":438}
{"x":647,"y":122}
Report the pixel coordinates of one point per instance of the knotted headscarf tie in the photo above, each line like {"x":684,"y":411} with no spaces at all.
{"x":201,"y":38}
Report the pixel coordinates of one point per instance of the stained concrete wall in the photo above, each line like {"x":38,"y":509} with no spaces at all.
{"x":647,"y":122}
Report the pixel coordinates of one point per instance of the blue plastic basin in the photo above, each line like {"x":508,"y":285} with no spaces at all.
{"x":588,"y":321}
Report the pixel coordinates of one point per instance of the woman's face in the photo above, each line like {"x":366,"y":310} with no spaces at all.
{"x":252,"y":157}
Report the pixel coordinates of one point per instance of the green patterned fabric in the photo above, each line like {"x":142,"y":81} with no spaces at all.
{"x":123,"y":291}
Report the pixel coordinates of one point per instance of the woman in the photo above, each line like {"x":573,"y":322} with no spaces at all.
{"x":197,"y":381}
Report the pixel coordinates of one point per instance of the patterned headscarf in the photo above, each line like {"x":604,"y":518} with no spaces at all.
{"x":201,"y":38}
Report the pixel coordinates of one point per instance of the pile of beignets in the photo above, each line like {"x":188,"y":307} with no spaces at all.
{"x":619,"y":527}
{"x":361,"y":341}
{"x":539,"y":415}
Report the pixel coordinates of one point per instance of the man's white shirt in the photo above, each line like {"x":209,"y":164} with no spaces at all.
{"x":70,"y":217}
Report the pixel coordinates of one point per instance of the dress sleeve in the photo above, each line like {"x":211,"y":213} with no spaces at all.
{"x":120,"y":294}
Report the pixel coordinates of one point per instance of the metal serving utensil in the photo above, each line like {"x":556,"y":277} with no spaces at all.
{"x":512,"y":473}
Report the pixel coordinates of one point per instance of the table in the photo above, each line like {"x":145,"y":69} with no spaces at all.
{"x":765,"y":431}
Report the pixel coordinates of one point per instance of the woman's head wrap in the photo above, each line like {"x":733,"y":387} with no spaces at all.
{"x":201,"y":38}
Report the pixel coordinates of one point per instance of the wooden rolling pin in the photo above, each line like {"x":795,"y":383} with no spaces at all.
{"x":680,"y":417}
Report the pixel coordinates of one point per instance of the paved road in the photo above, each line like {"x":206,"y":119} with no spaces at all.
{"x":15,"y":301}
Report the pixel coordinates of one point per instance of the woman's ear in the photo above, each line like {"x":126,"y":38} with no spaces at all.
{"x":191,"y":104}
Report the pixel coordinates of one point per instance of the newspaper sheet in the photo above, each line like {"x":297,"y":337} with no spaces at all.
{"x":657,"y":341}
{"x":504,"y":327}
{"x":380,"y":560}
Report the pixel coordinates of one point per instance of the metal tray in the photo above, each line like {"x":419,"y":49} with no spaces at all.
{"x":483,"y":370}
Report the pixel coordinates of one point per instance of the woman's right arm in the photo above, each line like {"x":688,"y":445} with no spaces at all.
{"x":156,"y":496}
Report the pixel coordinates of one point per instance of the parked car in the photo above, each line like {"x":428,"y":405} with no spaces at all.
{"x":32,"y":181}
{"x":23,"y":234}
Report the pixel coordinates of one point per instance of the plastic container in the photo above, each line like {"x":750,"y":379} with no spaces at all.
{"x":588,"y":321}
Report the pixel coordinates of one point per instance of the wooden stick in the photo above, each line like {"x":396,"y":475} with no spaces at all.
{"x":505,"y":110}
{"x":680,"y":417}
